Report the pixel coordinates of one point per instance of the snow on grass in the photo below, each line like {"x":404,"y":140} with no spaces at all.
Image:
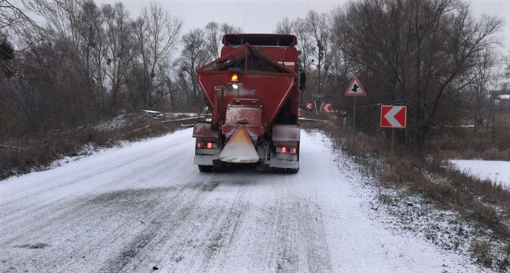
{"x":403,"y":233}
{"x":173,"y":115}
{"x":496,"y":171}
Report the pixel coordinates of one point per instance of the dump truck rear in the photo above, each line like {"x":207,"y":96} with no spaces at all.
{"x":252,"y":92}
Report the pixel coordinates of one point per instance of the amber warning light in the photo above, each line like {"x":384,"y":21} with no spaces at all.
{"x":234,"y":78}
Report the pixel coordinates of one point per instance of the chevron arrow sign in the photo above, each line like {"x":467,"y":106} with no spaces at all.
{"x":393,"y":116}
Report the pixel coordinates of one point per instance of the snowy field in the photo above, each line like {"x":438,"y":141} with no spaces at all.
{"x":146,"y":208}
{"x":496,"y":171}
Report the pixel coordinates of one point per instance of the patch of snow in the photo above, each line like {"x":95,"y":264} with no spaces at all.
{"x":496,"y":171}
{"x":112,"y":124}
{"x":173,"y":115}
{"x":154,"y":114}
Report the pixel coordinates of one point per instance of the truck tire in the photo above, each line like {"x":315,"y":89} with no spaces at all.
{"x":276,"y":170}
{"x":293,"y":170}
{"x":205,"y":169}
{"x":283,"y":170}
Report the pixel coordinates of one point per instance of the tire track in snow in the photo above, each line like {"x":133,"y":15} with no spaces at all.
{"x":300,"y":226}
{"x":12,"y":207}
{"x":223,"y":236}
{"x":163,"y":222}
{"x":299,"y":231}
{"x":200,"y":244}
{"x":53,"y":210}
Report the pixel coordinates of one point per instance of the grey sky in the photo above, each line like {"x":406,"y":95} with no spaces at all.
{"x":261,"y":16}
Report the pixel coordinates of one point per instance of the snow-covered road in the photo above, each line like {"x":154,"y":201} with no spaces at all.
{"x":146,"y":208}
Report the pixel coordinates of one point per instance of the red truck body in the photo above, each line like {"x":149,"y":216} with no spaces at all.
{"x":252,"y":90}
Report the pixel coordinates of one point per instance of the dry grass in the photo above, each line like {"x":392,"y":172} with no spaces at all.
{"x":476,"y":200}
{"x":481,"y":252}
{"x":35,"y":154}
{"x":469,"y":154}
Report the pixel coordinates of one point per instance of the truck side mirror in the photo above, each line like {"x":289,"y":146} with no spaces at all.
{"x":302,"y":80}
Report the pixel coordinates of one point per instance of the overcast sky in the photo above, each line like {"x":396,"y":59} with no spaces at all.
{"x":261,"y":16}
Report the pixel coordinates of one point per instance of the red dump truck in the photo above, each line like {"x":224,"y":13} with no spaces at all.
{"x":252,"y":93}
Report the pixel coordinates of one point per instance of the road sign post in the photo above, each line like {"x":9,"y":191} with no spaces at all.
{"x":393,"y":117}
{"x":355,"y":89}
{"x":318,"y":97}
{"x":392,"y":137}
{"x":354,"y":116}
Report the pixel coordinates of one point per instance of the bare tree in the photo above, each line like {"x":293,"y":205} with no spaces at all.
{"x":285,"y":26}
{"x":6,"y":49}
{"x":193,"y":56}
{"x":156,"y":33}
{"x":41,"y":92}
{"x":316,"y":25}
{"x":305,"y":43}
{"x":480,"y":76}
{"x":214,"y":33}
{"x":212,"y":30}
{"x":77,"y":27}
{"x":89,"y":25}
{"x":229,"y":29}
{"x":169,"y":83}
{"x":506,"y":73}
{"x":415,"y":50}
{"x":118,"y":52}
{"x":12,"y":16}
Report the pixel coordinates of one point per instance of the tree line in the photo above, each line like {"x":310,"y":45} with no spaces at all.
{"x":91,"y":62}
{"x":433,"y":56}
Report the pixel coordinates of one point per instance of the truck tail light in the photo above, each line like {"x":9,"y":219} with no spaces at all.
{"x":206,"y":145}
{"x":286,"y":150}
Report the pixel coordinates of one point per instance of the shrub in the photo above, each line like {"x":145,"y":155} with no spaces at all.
{"x":469,"y":154}
{"x":481,"y":252}
{"x":492,"y":154}
{"x":449,"y":154}
{"x":94,"y":136}
{"x":36,"y":153}
{"x":505,"y":155}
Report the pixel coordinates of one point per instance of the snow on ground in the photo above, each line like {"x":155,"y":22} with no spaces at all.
{"x":112,"y":124}
{"x":181,"y":115}
{"x":496,"y":171}
{"x":146,"y":208}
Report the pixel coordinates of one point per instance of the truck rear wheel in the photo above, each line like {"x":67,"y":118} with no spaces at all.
{"x":205,"y":169}
{"x":283,"y":170}
{"x":293,"y":170}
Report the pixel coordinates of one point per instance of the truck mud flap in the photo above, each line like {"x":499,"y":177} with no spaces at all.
{"x":205,"y":160}
{"x":283,"y":164}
